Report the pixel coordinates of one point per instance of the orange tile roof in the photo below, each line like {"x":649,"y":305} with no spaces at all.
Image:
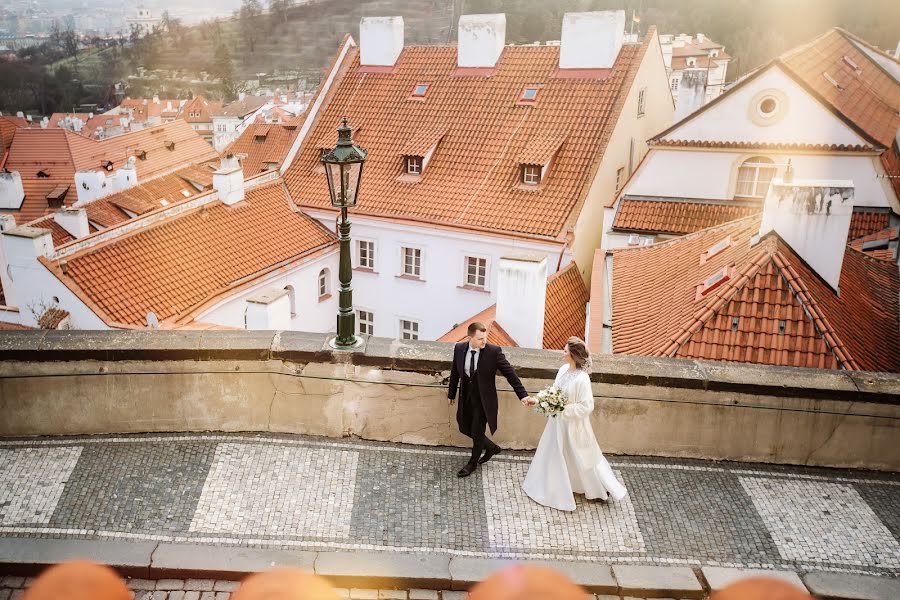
{"x":488,"y":317}
{"x":886,"y":250}
{"x":890,"y":160}
{"x":13,"y":326}
{"x":869,"y":97}
{"x":761,"y":145}
{"x":241,"y":108}
{"x":471,"y":179}
{"x":565,"y":311}
{"x":202,"y":108}
{"x":58,"y":233}
{"x":60,"y":153}
{"x":274,"y":148}
{"x":863,"y":222}
{"x":676,"y":216}
{"x":175,"y":266}
{"x":656,"y":311}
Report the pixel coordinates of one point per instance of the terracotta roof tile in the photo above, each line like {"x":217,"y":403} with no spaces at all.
{"x":761,"y":145}
{"x":488,"y":317}
{"x":423,"y":140}
{"x":541,"y":149}
{"x":60,"y":153}
{"x":785,"y":313}
{"x":880,"y":244}
{"x":176,"y":265}
{"x":472,"y":179}
{"x":242,"y":108}
{"x":869,"y":96}
{"x":273,"y":147}
{"x":58,"y":233}
{"x":565,"y":310}
{"x":863,"y":222}
{"x":677,"y":216}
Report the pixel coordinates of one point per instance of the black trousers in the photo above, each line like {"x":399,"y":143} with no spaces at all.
{"x":480,"y":442}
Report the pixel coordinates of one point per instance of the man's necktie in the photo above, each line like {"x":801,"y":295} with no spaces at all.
{"x":472,"y":364}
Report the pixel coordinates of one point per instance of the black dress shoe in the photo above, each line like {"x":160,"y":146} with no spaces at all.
{"x":467,"y":470}
{"x":489,"y":454}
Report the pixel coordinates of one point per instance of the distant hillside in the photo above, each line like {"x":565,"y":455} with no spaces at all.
{"x":753,"y":31}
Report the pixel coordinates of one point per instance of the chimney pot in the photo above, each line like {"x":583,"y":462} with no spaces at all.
{"x":591,"y":40}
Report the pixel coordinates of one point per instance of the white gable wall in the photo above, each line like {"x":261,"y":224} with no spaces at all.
{"x":805,"y":119}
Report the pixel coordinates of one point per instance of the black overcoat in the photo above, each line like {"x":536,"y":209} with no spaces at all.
{"x":490,"y":361}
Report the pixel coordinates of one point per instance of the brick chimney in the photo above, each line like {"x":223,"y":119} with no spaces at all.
{"x":380,"y":41}
{"x":813,"y":218}
{"x":12,"y":193}
{"x":591,"y":40}
{"x":481,"y":40}
{"x":521,"y":297}
{"x":228,"y":180}
{"x":73,"y":220}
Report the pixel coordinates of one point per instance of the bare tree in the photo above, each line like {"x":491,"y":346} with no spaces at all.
{"x":249,"y":18}
{"x":48,"y":314}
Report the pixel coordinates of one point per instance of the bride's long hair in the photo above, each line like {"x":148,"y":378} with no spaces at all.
{"x":579,"y":353}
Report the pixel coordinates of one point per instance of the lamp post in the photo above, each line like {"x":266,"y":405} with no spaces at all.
{"x":343,"y":168}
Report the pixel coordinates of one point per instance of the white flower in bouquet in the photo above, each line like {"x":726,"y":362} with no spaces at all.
{"x":551,"y":401}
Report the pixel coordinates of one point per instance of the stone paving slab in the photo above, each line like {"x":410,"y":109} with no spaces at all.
{"x":227,"y":562}
{"x":834,"y":586}
{"x":662,"y":581}
{"x":30,"y":556}
{"x":594,"y":577}
{"x":296,"y":494}
{"x":719,"y":577}
{"x":382,"y":570}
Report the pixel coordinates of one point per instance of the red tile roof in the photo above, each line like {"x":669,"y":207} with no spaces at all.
{"x":869,"y":97}
{"x":273,"y":146}
{"x":864,"y":222}
{"x":886,"y":250}
{"x":565,"y":312}
{"x":566,"y":307}
{"x":241,"y":108}
{"x":672,"y":216}
{"x":58,"y":233}
{"x":202,"y":109}
{"x":656,"y":311}
{"x":471,"y":181}
{"x":177,"y":265}
{"x":761,"y":145}
{"x":488,"y":317}
{"x":60,"y":153}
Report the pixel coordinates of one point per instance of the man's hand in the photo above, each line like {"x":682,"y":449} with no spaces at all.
{"x":450,"y":401}
{"x":528,"y":401}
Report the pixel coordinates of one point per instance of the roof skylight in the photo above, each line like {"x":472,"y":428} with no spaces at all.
{"x":420,"y":90}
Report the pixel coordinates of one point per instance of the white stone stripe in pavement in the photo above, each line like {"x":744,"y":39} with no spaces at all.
{"x":32,"y":481}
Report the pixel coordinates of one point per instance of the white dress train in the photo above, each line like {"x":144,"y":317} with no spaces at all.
{"x":568,"y":459}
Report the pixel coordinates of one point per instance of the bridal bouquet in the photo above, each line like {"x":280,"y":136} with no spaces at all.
{"x":551,"y":401}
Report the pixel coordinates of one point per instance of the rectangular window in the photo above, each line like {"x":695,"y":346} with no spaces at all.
{"x":476,"y":271}
{"x":414,"y":165}
{"x":674,"y":84}
{"x":641,"y":99}
{"x":366,"y":253}
{"x":366,"y":322}
{"x":412,"y":262}
{"x":531,"y":174}
{"x":409,"y":330}
{"x":620,"y":178}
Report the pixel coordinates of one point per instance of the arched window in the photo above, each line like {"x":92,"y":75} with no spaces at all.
{"x":324,"y":287}
{"x":292,"y":299}
{"x":754,"y":176}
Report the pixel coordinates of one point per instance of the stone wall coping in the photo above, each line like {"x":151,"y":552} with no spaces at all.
{"x":434,"y":358}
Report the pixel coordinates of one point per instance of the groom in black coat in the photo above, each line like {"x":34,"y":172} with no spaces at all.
{"x":478,"y":393}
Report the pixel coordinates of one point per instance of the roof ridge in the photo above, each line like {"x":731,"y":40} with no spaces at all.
{"x":561,"y":272}
{"x":854,"y":38}
{"x":689,"y":236}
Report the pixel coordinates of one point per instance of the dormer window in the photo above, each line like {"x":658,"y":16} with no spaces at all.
{"x":141,"y":154}
{"x":529,"y":94}
{"x":714,"y":281}
{"x":259,"y":139}
{"x":531,"y":174}
{"x":170,"y":145}
{"x":715,"y":249}
{"x":107,"y":164}
{"x":43,"y":174}
{"x":413,"y":165}
{"x":421,"y":90}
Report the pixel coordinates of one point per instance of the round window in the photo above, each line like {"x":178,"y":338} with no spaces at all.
{"x":768,"y":106}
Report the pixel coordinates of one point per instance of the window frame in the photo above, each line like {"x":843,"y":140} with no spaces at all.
{"x":323,"y":284}
{"x":360,"y":322}
{"x":371,"y":254}
{"x":420,"y":265}
{"x":402,"y":331}
{"x":527,"y":173}
{"x":411,"y":160}
{"x":467,"y":260}
{"x":757,"y":165}
{"x":642,"y":101}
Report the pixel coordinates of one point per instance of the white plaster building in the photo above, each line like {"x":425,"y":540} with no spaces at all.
{"x":697,"y":67}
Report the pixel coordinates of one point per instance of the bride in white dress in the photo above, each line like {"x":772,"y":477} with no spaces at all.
{"x":568,"y":459}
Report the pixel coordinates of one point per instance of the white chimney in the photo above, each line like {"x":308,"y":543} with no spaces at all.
{"x":7,"y":222}
{"x":73,"y":220}
{"x":481,"y":40}
{"x":126,"y":176}
{"x":691,"y":92}
{"x":380,"y":41}
{"x":228,"y":181}
{"x":269,"y":310}
{"x":701,"y":38}
{"x":241,"y":96}
{"x":591,"y":40}
{"x":91,"y":185}
{"x":813,"y":218}
{"x":21,"y":248}
{"x":12,"y":193}
{"x":45,"y":122}
{"x":20,"y":114}
{"x":521,"y":297}
{"x":155,"y":99}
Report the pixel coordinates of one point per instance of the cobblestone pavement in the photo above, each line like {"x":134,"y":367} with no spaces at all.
{"x":310,"y":493}
{"x":12,"y":588}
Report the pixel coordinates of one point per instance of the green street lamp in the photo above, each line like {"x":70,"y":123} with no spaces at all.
{"x":343,"y":168}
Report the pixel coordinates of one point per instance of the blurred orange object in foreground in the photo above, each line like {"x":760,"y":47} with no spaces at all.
{"x":285,"y":584}
{"x":761,"y":588}
{"x":78,"y":580}
{"x":527,"y":582}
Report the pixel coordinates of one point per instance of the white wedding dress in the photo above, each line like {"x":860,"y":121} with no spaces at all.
{"x":568,"y":459}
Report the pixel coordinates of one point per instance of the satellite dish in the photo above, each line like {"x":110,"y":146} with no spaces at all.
{"x":152,"y":321}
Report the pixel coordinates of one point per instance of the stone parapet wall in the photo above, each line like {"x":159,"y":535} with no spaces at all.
{"x":96,"y":382}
